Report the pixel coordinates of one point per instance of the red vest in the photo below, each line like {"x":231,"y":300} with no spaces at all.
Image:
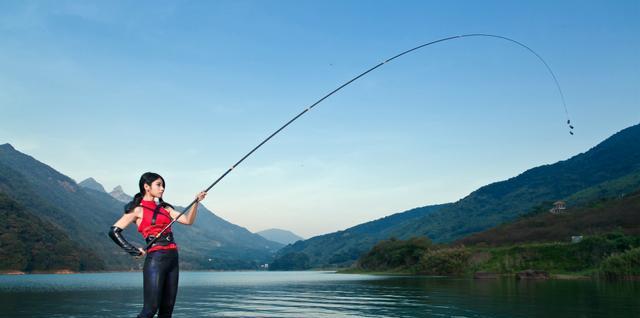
{"x":162,"y":219}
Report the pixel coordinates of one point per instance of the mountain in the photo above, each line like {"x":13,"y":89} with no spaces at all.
{"x":281,"y":236}
{"x":610,"y":189}
{"x":118,"y":194}
{"x":57,"y":199}
{"x":92,"y":184}
{"x":605,"y":215}
{"x":612,"y":165}
{"x":85,"y":215}
{"x":29,"y":244}
{"x":342,"y":248}
{"x":614,"y":158}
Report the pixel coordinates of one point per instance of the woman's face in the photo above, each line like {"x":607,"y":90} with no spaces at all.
{"x":156,"y":188}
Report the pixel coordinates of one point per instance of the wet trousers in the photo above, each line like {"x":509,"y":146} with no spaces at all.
{"x":160,"y":276}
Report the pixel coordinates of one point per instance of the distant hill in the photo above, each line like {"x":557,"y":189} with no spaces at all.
{"x":92,"y":184}
{"x":85,"y":215}
{"x":281,"y":236}
{"x":612,"y":165}
{"x":118,"y":194}
{"x":30,"y":244}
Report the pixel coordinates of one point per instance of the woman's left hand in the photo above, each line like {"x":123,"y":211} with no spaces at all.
{"x":200,"y":196}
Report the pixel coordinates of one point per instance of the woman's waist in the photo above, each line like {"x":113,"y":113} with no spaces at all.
{"x":163,"y":239}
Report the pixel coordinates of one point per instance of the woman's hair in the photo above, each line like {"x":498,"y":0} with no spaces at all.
{"x":146,"y":178}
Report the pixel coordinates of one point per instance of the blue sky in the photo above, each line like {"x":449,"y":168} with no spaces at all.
{"x":185,"y":88}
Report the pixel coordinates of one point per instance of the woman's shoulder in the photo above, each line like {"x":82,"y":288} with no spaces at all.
{"x":137,"y":211}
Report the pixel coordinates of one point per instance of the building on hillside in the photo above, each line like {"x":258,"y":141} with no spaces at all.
{"x":558,"y":207}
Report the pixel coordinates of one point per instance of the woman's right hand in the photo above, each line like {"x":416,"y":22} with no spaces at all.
{"x":142,"y":251}
{"x":200,"y":196}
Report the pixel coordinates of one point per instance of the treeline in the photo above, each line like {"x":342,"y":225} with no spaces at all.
{"x":416,"y":255}
{"x":587,"y":257}
{"x":611,"y":255}
{"x":291,"y":261}
{"x":622,"y":265}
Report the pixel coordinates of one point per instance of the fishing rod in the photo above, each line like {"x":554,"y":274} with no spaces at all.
{"x":555,"y":80}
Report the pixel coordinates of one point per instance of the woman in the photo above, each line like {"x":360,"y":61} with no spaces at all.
{"x":161,"y":263}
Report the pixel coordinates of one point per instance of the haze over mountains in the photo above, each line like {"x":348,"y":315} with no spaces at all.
{"x":281,"y":236}
{"x":118,"y":194}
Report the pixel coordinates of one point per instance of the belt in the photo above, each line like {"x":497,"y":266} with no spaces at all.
{"x":164,"y":240}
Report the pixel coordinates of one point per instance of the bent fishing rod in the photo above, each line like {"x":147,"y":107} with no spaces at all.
{"x":555,"y":80}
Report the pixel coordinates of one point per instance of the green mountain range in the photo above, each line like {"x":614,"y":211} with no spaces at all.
{"x":85,"y":215}
{"x":611,"y":168}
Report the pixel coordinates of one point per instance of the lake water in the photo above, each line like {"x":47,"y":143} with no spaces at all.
{"x":317,"y":294}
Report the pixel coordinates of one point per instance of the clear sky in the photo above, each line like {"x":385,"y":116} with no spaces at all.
{"x":111,"y":89}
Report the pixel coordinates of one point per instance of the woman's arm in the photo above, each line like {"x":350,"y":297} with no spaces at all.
{"x":116,"y":233}
{"x":189,"y":217}
{"x":127,"y":219}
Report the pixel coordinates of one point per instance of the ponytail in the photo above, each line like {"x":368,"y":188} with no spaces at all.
{"x":133,"y":203}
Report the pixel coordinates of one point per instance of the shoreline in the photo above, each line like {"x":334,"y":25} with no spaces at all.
{"x":484,"y":275}
{"x":57,"y":272}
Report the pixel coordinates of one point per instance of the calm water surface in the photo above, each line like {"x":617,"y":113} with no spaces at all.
{"x":316,"y":294}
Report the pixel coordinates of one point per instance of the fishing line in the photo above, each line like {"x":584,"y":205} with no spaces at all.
{"x":553,"y":76}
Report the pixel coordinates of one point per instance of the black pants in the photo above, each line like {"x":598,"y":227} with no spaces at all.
{"x":160,"y":283}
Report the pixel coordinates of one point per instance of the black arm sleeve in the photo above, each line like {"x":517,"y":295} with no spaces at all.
{"x":116,"y":235}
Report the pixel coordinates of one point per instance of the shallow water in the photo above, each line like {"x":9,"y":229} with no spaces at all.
{"x":317,"y":294}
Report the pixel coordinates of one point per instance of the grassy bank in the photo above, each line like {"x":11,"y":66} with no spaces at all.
{"x":612,"y":256}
